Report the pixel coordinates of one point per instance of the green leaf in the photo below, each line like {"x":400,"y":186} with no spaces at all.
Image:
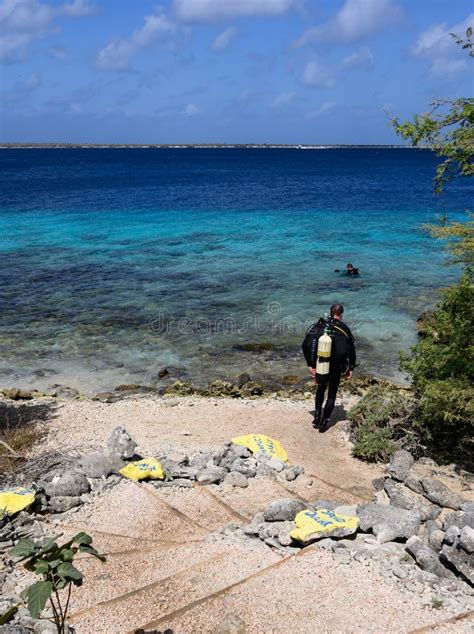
{"x":41,"y":568}
{"x":24,"y":548}
{"x":89,"y":550}
{"x":6,"y":616}
{"x":82,"y":538}
{"x":68,"y":571}
{"x":36,"y":596}
{"x":66,"y":554}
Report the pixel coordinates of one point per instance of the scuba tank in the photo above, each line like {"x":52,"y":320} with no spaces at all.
{"x":323,"y":354}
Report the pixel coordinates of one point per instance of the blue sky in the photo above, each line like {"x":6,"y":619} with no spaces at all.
{"x":282,"y":71}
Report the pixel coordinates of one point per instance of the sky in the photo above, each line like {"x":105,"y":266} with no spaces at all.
{"x":225,"y":71}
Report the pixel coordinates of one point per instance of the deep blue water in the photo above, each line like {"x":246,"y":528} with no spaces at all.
{"x":116,"y":262}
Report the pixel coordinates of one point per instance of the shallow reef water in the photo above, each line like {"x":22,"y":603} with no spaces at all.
{"x":117,"y":262}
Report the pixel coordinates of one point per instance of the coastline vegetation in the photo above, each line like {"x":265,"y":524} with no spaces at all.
{"x":441,"y":364}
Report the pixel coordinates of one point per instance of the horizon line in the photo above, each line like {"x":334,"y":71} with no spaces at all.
{"x":72,"y":144}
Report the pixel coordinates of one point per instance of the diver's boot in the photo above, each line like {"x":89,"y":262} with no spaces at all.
{"x":317,"y":419}
{"x":324,"y":425}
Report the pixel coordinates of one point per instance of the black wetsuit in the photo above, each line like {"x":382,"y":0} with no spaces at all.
{"x":343,"y":358}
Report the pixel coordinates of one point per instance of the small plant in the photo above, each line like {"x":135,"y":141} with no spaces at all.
{"x":54,"y":564}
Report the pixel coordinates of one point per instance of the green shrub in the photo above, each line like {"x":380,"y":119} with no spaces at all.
{"x":442,"y":370}
{"x":379,"y":422}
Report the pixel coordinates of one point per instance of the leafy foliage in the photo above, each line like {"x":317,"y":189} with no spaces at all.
{"x":442,"y":369}
{"x":448,"y":129}
{"x":54,"y":564}
{"x":379,"y":423}
{"x":460,"y":236}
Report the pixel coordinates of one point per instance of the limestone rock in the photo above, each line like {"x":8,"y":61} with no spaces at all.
{"x":460,"y":519}
{"x":240,"y":451}
{"x":99,"y":464}
{"x":120,"y":445}
{"x":460,"y":560}
{"x":236,"y":479}
{"x":400,"y":464}
{"x":276,"y":464}
{"x":439,"y":493}
{"x":451,"y":535}
{"x":323,"y":504}
{"x":388,"y":522}
{"x":404,"y":498}
{"x":466,"y":540}
{"x":424,"y":556}
{"x":70,"y":483}
{"x":283,"y":510}
{"x":210,"y":475}
{"x":436,"y":539}
{"x":62,"y":504}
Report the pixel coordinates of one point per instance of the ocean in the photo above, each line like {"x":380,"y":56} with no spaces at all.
{"x":117,"y":262}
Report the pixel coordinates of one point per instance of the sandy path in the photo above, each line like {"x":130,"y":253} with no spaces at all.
{"x":191,"y":423}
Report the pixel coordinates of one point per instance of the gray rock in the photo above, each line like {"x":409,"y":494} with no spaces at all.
{"x":404,"y":498}
{"x":439,"y":493}
{"x":388,"y":522}
{"x":466,"y":539}
{"x":276,"y":464}
{"x":424,"y":556}
{"x":246,"y":467}
{"x":239,"y":451}
{"x":14,"y":629}
{"x":432,"y":526}
{"x":460,"y":519}
{"x":346,"y":509}
{"x":236,"y":479}
{"x":201,"y":460}
{"x":400,"y":464}
{"x":63,"y":504}
{"x":71,"y":483}
{"x":413,"y":482}
{"x":100,"y":464}
{"x":323,"y":504}
{"x":284,"y":534}
{"x":281,"y":510}
{"x":451,"y":535}
{"x":435,"y":540}
{"x":288,"y":475}
{"x":231,"y":624}
{"x":253,"y":527}
{"x":468,"y":507}
{"x":120,"y":445}
{"x":458,"y":559}
{"x":44,"y":627}
{"x":211,"y":475}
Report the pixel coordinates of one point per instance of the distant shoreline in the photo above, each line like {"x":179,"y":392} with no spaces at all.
{"x":169,"y":146}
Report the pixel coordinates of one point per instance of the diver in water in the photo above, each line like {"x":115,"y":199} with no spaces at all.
{"x":351,"y":271}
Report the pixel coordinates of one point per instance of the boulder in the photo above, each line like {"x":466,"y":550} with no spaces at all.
{"x":439,"y":493}
{"x":210,"y":475}
{"x":466,"y":540}
{"x":236,"y":479}
{"x":120,"y":445}
{"x":323,"y":504}
{"x":276,"y":464}
{"x":346,"y":509}
{"x":222,"y":388}
{"x":413,"y":482}
{"x":254,"y":526}
{"x":405,"y":498}
{"x":99,"y":464}
{"x":400,"y":464}
{"x":283,"y":510}
{"x":240,"y":451}
{"x":388,"y":523}
{"x":424,"y":556}
{"x":451,"y":535}
{"x":435,"y":540}
{"x":460,"y":519}
{"x":62,"y":504}
{"x":461,"y":561}
{"x":243,"y":466}
{"x":70,"y":483}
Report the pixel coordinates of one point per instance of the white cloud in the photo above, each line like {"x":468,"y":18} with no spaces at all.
{"x":326,"y":106}
{"x":190,"y":110}
{"x":116,"y":55}
{"x":24,"y":88}
{"x":214,"y":10}
{"x":436,"y":45}
{"x":57,"y":52}
{"x":317,"y":74}
{"x":356,"y":20}
{"x":223,"y":40}
{"x":361,"y":58}
{"x":283,"y":99}
{"x":23,"y":21}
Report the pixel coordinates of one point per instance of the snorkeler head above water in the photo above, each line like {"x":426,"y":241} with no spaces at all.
{"x":350,"y":270}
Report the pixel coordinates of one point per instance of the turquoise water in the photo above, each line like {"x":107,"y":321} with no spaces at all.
{"x":118,"y":262}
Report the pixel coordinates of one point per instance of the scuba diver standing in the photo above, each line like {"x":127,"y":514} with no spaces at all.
{"x":329,"y":350}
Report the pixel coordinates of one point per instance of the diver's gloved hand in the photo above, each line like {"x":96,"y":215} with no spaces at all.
{"x":348,"y":375}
